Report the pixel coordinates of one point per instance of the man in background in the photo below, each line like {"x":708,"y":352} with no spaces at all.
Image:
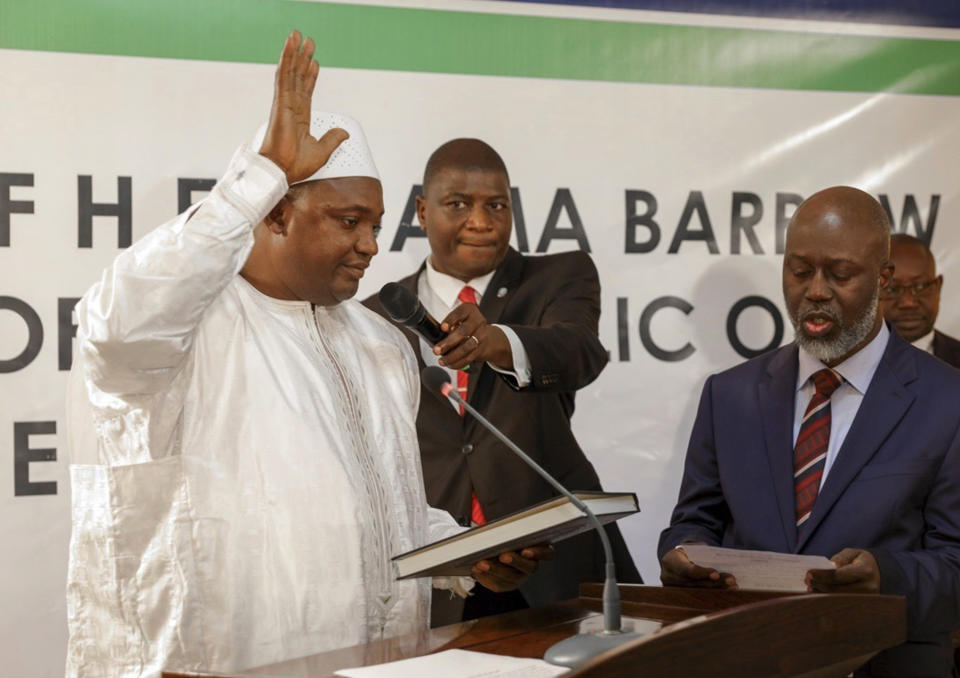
{"x":527,"y":327}
{"x":912,"y":299}
{"x":844,"y":443}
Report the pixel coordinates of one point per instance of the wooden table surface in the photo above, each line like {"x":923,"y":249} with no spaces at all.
{"x":735,"y":633}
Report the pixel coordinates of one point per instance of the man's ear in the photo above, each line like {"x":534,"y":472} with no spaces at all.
{"x":276,"y":221}
{"x":421,"y":210}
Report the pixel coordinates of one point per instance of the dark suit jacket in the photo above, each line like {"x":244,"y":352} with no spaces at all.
{"x":553,"y":304}
{"x":894,"y":488}
{"x":946,"y":348}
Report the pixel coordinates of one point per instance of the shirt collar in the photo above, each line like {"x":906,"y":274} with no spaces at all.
{"x":925,"y":343}
{"x":282,"y":305}
{"x":857,"y":370}
{"x":447,"y":288}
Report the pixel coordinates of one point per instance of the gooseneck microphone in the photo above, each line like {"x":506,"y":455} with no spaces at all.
{"x":404,"y":308}
{"x":577,"y":649}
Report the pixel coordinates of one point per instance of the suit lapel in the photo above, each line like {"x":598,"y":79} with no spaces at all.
{"x":506,"y":279}
{"x":883,"y":406}
{"x":776,"y":396}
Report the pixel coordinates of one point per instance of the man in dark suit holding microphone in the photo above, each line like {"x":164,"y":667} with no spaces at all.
{"x":527,"y":328}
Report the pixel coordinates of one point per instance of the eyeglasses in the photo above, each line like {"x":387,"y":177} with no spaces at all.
{"x":918,"y":290}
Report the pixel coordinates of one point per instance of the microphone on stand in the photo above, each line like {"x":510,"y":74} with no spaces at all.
{"x":577,"y":649}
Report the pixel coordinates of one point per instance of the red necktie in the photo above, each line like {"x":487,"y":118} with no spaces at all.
{"x":468,"y":296}
{"x":810,"y":452}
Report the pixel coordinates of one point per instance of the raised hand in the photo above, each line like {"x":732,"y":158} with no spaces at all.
{"x":288,"y":142}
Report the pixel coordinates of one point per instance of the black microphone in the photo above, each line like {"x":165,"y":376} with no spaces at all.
{"x":403,"y":307}
{"x":577,"y":649}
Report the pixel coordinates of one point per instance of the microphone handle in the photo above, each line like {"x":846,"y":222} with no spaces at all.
{"x":428,"y":328}
{"x":611,"y":594}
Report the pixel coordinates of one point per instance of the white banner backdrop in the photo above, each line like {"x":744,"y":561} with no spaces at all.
{"x":603,"y":152}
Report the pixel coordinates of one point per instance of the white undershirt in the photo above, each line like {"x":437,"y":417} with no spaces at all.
{"x":857,"y":372}
{"x":925,"y":343}
{"x":439,"y":294}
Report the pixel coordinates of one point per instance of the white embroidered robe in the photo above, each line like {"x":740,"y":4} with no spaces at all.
{"x":243,"y":468}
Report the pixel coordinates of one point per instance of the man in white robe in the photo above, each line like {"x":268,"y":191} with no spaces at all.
{"x":244,"y":451}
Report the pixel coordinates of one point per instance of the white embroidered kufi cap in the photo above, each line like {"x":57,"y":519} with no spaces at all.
{"x":351,"y":159}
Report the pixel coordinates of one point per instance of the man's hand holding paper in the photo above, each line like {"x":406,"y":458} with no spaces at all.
{"x":757,"y":570}
{"x":856,"y":571}
{"x":677,"y":569}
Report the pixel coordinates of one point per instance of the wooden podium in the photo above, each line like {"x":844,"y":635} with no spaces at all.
{"x":692,"y":632}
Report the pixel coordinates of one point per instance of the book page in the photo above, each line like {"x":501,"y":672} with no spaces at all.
{"x":760,"y":570}
{"x":458,"y":664}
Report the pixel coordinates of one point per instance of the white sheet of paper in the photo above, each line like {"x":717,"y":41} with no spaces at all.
{"x":760,"y":570}
{"x":458,"y":664}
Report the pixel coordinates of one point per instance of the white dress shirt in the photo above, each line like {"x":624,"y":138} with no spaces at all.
{"x":925,"y":343}
{"x":439,"y":294}
{"x":857,"y":372}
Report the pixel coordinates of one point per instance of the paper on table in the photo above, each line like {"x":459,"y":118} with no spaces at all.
{"x":761,"y":570}
{"x":458,"y":664}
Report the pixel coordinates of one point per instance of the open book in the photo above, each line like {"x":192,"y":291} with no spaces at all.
{"x":548,"y":522}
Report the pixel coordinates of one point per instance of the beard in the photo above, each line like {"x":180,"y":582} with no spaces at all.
{"x":828,"y":350}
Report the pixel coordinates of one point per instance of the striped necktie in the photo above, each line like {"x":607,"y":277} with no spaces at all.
{"x":468,"y":296}
{"x":810,"y":452}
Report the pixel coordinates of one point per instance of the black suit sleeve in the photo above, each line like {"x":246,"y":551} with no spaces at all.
{"x":563,"y":346}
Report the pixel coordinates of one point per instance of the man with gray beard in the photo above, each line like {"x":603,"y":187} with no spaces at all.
{"x":845,"y":443}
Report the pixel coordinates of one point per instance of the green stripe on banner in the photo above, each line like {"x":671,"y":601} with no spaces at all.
{"x":441,"y":41}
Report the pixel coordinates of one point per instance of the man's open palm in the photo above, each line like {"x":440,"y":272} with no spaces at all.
{"x":288,"y":142}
